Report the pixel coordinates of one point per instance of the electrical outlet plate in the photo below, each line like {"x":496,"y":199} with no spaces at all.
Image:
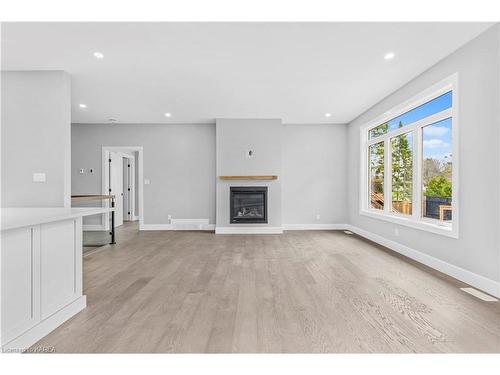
{"x":39,"y":177}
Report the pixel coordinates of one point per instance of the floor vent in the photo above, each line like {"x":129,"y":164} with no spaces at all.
{"x":189,"y":224}
{"x":348,"y":232}
{"x":480,"y":295}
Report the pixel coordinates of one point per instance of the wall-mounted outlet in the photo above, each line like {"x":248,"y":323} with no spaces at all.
{"x":147,"y":181}
{"x":318,"y":217}
{"x":39,"y":177}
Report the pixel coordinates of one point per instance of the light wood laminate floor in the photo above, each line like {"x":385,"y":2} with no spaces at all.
{"x":316,"y":291}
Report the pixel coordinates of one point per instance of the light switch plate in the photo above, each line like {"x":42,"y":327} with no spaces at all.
{"x":39,"y":177}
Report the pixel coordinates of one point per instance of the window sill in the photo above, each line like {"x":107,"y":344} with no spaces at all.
{"x":441,"y":229}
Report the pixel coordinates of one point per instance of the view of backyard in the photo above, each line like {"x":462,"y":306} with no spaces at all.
{"x":436,"y":163}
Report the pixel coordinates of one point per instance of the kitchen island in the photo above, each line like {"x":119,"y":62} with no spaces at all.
{"x":41,"y":271}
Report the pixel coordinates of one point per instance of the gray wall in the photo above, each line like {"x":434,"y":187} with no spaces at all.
{"x":178,"y":159}
{"x":312,"y":177}
{"x":234,"y":138}
{"x":314,"y":174}
{"x":477,"y":248}
{"x":36,"y":118}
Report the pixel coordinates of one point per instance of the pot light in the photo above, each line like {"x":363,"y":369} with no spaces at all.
{"x":168,"y":114}
{"x":83,"y":105}
{"x":328,"y":115}
{"x":98,"y":55}
{"x":389,"y":56}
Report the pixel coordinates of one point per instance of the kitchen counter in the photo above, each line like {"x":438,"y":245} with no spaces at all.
{"x":13,"y":218}
{"x":41,"y":271}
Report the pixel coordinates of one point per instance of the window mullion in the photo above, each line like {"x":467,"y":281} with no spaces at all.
{"x":417,"y":174}
{"x":387,"y":176}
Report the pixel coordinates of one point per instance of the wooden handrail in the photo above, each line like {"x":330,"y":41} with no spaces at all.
{"x":90,"y":197}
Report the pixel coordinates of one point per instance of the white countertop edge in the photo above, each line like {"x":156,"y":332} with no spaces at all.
{"x":13,"y":218}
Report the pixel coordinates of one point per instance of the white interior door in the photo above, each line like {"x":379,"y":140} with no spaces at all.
{"x":126,"y":198}
{"x":128,"y":189}
{"x":116,"y":184}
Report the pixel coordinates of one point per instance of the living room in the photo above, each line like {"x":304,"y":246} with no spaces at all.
{"x":250,"y":187}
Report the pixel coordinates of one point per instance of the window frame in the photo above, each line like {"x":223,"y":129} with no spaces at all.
{"x":415,"y":220}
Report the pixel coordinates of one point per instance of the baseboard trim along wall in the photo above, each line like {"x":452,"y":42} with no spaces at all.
{"x":46,"y":326}
{"x":248,"y":230}
{"x":480,"y":282}
{"x":314,"y":226}
{"x":202,"y":224}
{"x":186,"y":226}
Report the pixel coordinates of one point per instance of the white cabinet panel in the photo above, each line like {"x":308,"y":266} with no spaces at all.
{"x":20,"y":286}
{"x":59,"y":265}
{"x":41,"y":278}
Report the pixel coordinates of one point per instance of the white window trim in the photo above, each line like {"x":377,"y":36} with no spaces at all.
{"x":415,"y":220}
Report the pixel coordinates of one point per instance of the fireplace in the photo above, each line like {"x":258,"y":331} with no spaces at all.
{"x":248,"y":205}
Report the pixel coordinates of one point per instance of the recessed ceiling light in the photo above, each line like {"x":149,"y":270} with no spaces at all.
{"x":168,"y":114}
{"x":83,"y":105}
{"x":389,"y":55}
{"x":98,"y":55}
{"x":328,"y":115}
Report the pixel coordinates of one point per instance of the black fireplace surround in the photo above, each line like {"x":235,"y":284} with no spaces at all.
{"x":248,"y":205}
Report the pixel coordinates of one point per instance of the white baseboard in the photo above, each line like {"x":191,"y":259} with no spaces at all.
{"x":314,"y":226}
{"x":480,"y":282}
{"x":135,"y":218}
{"x":93,"y":227}
{"x":248,"y":230}
{"x":187,"y":224}
{"x":46,"y":326}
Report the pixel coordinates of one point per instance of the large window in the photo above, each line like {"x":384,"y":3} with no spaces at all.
{"x":409,"y":162}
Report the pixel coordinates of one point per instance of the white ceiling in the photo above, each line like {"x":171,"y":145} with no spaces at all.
{"x":202,"y":71}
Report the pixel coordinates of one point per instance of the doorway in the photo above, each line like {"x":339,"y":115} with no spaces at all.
{"x":121,"y":173}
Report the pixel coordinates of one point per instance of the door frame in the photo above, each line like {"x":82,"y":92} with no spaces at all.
{"x":105,"y":178}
